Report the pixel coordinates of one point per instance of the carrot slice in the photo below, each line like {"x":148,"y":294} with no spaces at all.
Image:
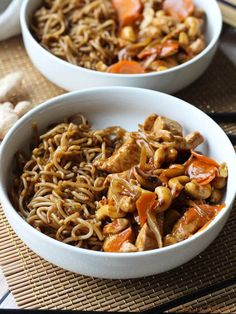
{"x":213,"y":208}
{"x":116,"y":241}
{"x":202,"y":172}
{"x":128,"y":11}
{"x":205,"y":159}
{"x":169,"y":48}
{"x":201,"y":168}
{"x":179,"y":9}
{"x":144,"y":203}
{"x":126,"y":67}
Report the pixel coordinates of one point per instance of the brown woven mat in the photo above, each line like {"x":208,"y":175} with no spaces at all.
{"x":36,"y":283}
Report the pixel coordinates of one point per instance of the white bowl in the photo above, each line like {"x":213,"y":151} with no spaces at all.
{"x":72,"y":77}
{"x":127,"y":107}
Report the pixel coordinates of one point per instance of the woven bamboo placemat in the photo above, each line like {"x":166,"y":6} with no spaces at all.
{"x":36,"y":283}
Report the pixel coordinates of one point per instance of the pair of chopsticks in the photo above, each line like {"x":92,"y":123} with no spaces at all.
{"x":225,"y":117}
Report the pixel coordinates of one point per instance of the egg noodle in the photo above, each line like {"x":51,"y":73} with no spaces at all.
{"x":59,"y":187}
{"x":83,"y":32}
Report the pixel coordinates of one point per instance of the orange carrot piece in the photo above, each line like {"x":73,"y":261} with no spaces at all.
{"x":191,"y":215}
{"x":117,"y":241}
{"x":169,"y":48}
{"x":211,"y":210}
{"x":204,"y":227}
{"x":207,"y":213}
{"x":205,"y":159}
{"x":126,"y":67}
{"x":144,"y":203}
{"x":215,"y":208}
{"x":201,"y":168}
{"x":202,"y":172}
{"x":179,"y":9}
{"x":128,"y":11}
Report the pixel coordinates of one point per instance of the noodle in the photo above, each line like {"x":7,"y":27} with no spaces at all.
{"x":83,"y":32}
{"x":59,"y":185}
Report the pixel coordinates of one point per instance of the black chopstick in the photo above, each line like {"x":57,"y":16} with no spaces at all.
{"x":192,"y":296}
{"x":223,"y":116}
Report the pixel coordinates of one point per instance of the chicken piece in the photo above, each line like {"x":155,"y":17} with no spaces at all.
{"x":193,"y":140}
{"x":163,"y":123}
{"x":126,"y":156}
{"x":169,"y":240}
{"x":116,"y":226}
{"x":146,"y":239}
{"x":127,"y":247}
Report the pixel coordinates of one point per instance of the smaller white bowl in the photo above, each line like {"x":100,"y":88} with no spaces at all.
{"x":129,"y":107}
{"x":72,"y":77}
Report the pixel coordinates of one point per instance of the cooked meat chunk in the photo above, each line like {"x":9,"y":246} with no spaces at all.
{"x":116,"y":226}
{"x":123,"y":159}
{"x":146,"y":239}
{"x":163,"y":123}
{"x":127,"y":247}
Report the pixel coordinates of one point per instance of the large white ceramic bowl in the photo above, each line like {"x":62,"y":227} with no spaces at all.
{"x":126,"y":107}
{"x":72,"y":77}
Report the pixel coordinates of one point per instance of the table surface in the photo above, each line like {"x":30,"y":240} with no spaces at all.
{"x":227,"y":42}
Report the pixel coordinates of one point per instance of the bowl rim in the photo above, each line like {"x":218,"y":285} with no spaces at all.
{"x":8,"y":207}
{"x":211,"y":44}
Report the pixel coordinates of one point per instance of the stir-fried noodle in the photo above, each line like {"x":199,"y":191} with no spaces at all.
{"x":118,"y":191}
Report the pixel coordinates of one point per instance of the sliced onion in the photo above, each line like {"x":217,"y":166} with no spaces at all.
{"x":153,"y":224}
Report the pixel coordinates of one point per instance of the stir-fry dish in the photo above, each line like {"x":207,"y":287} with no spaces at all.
{"x":121,"y":36}
{"x":118,"y":191}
